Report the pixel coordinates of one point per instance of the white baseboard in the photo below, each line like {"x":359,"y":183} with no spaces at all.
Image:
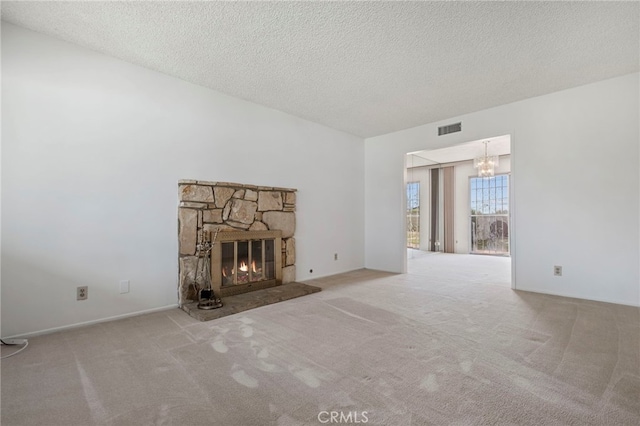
{"x":570,"y":296}
{"x":85,"y":323}
{"x":331,"y":274}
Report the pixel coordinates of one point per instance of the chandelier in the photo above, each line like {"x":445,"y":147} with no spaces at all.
{"x":486,"y":164}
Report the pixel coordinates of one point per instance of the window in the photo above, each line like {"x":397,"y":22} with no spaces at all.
{"x":413,"y":215}
{"x":490,"y":215}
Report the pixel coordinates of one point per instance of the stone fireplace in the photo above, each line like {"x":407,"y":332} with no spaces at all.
{"x":254,"y":230}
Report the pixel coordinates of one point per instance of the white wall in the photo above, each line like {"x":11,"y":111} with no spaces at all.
{"x":93,"y":148}
{"x":575,"y":165}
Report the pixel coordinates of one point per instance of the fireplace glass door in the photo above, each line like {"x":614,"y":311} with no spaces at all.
{"x":245,"y":262}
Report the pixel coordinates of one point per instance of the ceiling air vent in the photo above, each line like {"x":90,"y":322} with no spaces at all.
{"x":450,"y":128}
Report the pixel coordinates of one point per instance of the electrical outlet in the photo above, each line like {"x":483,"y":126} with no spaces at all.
{"x":335,"y":256}
{"x":557,"y":271}
{"x":82,"y":293}
{"x":124,"y":286}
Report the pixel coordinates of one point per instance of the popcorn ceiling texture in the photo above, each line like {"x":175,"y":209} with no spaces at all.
{"x":367,"y":68}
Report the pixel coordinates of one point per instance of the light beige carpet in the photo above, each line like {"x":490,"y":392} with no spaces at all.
{"x":428,"y":347}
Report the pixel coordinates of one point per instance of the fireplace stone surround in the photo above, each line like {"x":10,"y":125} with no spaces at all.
{"x":231,"y":208}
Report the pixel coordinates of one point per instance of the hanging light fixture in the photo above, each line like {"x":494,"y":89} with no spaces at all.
{"x":486,"y":165}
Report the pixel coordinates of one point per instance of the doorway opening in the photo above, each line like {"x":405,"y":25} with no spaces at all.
{"x":453,"y":211}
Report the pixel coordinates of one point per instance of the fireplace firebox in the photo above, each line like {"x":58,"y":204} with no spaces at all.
{"x":245,"y":261}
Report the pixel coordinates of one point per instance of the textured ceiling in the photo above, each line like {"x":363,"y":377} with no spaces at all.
{"x":367,"y":68}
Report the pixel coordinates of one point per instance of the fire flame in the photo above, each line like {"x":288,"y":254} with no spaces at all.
{"x":244,"y":267}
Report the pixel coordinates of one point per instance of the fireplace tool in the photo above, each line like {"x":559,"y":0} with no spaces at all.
{"x":206,"y":297}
